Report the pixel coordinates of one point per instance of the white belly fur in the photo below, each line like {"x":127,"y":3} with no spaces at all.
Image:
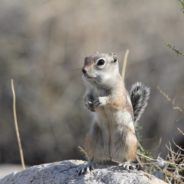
{"x":114,"y":124}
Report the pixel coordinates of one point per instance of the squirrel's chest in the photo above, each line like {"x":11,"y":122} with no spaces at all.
{"x":106,"y":115}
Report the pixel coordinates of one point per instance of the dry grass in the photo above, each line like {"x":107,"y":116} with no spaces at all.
{"x":124,"y":64}
{"x":16,"y":125}
{"x":170,"y":169}
{"x":170,"y":100}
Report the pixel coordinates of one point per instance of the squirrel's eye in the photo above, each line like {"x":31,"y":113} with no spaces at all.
{"x":100,"y":62}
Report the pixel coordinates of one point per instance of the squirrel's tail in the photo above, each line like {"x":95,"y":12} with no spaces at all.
{"x":139,"y":95}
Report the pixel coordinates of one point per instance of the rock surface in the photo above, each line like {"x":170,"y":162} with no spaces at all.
{"x":66,"y":172}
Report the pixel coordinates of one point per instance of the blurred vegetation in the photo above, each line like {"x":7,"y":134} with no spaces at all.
{"x":42,"y":46}
{"x":176,"y":50}
{"x":182,"y":3}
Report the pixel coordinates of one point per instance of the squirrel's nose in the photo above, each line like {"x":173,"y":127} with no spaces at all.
{"x":84,"y":71}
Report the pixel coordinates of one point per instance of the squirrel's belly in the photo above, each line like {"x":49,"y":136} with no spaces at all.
{"x":118,"y":144}
{"x":116,"y":125}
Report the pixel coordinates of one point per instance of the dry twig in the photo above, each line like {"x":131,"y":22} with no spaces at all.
{"x":124,"y":64}
{"x":172,"y":101}
{"x":16,"y":125}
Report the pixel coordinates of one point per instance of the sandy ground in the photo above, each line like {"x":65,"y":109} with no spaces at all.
{"x":8,"y":168}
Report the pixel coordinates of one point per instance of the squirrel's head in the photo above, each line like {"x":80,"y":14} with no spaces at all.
{"x":101,"y":70}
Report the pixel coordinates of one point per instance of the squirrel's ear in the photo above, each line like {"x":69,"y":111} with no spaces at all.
{"x":86,"y":60}
{"x":115,"y":59}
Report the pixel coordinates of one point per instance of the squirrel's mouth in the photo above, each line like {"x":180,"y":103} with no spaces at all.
{"x":88,"y":76}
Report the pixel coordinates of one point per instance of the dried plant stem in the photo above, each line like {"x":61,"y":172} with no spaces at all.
{"x":16,"y":125}
{"x":172,"y":101}
{"x":181,"y":132}
{"x":124,"y":64}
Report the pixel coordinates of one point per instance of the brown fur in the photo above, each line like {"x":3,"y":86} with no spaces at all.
{"x":131,"y":143}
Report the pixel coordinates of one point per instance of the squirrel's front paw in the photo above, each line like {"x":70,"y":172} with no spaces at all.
{"x":93,"y":104}
{"x":100,"y":101}
{"x":96,"y":103}
{"x":89,"y":105}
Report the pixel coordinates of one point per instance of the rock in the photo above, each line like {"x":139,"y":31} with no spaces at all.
{"x":66,"y":172}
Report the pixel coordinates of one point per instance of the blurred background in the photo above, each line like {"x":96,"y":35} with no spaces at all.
{"x":42,"y":47}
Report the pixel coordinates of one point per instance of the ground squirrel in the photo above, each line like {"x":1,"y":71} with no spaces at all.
{"x":112,"y":134}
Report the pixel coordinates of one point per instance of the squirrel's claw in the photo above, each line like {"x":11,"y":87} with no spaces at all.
{"x":89,"y":105}
{"x":85,"y":168}
{"x":100,"y":101}
{"x":128,"y":165}
{"x":96,"y":103}
{"x":92,"y":105}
